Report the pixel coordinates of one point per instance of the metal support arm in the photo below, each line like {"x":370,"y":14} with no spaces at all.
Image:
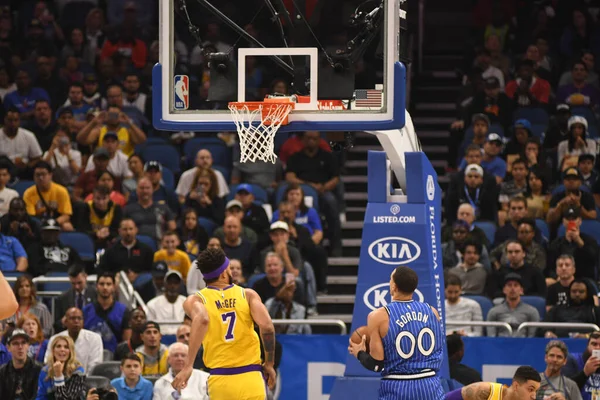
{"x":482,"y":323}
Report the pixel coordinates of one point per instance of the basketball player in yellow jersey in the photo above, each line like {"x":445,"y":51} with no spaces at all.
{"x":223,"y":317}
{"x":525,"y":385}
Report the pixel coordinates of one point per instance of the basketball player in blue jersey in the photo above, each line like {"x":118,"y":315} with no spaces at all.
{"x":405,"y":343}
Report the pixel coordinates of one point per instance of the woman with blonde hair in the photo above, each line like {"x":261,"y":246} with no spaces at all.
{"x":37,"y":344}
{"x":26,"y":296}
{"x":62,"y":378}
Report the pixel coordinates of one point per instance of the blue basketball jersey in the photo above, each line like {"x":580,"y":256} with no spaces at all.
{"x":414,"y":341}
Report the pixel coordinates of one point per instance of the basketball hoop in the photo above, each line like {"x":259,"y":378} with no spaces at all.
{"x":257,"y":138}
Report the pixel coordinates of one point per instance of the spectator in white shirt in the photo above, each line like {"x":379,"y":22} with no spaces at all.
{"x":65,"y":161}
{"x":88,"y":344}
{"x":168,"y":307}
{"x":117,"y":163}
{"x":18,"y":144}
{"x":459,"y":308}
{"x":6,"y":194}
{"x":203,"y":161}
{"x":196,"y":387}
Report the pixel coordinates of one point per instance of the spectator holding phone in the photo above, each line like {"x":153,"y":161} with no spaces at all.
{"x":204,"y":196}
{"x":571,"y":196}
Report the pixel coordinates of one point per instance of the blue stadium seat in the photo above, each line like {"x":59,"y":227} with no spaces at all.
{"x":148,"y":241}
{"x":589,"y":227}
{"x":22,"y":186}
{"x":255,"y":278}
{"x":543,"y":228}
{"x":561,"y":188}
{"x":587,"y":113}
{"x":167,"y":155}
{"x":489,"y":228}
{"x":309,"y":191}
{"x":535,"y":115}
{"x":485,"y":303}
{"x":224,"y":170}
{"x":208,"y":224}
{"x":80,"y":242}
{"x":260,"y":195}
{"x":168,"y":178}
{"x":221,"y":154}
{"x":497,"y":128}
{"x":536,"y":301}
{"x":538,"y":130}
{"x":55,"y":286}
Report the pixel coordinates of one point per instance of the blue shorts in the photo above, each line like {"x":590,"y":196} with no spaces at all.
{"x":411,"y":389}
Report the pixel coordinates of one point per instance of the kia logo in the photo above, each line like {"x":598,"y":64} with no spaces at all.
{"x":394,"y":250}
{"x":379,"y":296}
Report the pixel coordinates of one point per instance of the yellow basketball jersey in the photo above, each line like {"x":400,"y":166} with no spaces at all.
{"x":496,"y":391}
{"x":231,"y":340}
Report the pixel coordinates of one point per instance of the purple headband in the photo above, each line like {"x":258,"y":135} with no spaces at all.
{"x":215,"y":274}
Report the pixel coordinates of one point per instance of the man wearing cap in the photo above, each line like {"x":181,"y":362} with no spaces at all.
{"x":50,"y":254}
{"x":152,"y":219}
{"x":19,"y":377}
{"x":117,"y":164}
{"x":112,"y":120}
{"x":160,"y":194}
{"x":203,"y":160}
{"x":491,"y":162}
{"x":578,"y":93}
{"x":572,"y":195}
{"x":168,"y":307}
{"x":255,"y":216}
{"x":18,"y":144}
{"x":23,"y":99}
{"x":581,"y":246}
{"x":512,"y":311}
{"x":527,"y":89}
{"x":234,"y":208}
{"x":42,"y":124}
{"x":491,"y":102}
{"x":128,"y":253}
{"x":483,"y":199}
{"x":153,"y":353}
{"x":532,"y":278}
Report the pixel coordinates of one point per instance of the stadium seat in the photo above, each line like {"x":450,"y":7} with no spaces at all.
{"x":80,"y":242}
{"x":22,"y":186}
{"x":538,"y":302}
{"x":260,"y":195}
{"x":107,"y":369}
{"x":107,"y":355}
{"x":147,"y":240}
{"x":255,"y":278}
{"x":167,"y":155}
{"x":221,"y":154}
{"x":55,"y":286}
{"x":485,"y":304}
{"x":587,"y":113}
{"x":497,"y":128}
{"x":309,"y":191}
{"x":538,"y":130}
{"x":589,"y":227}
{"x":225,"y":171}
{"x":542,"y":226}
{"x":535,"y":115}
{"x":93,"y":381}
{"x":489,"y":228}
{"x":168,"y":178}
{"x":561,"y":188}
{"x":208,"y":224}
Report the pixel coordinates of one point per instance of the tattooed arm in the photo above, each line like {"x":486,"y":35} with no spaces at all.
{"x":261,"y":317}
{"x":476,"y":391}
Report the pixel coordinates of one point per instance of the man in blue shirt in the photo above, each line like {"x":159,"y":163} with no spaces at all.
{"x":25,"y":97}
{"x":491,"y":162}
{"x":12,"y":254}
{"x":132,"y":386}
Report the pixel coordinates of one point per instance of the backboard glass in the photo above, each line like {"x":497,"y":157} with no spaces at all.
{"x":340,"y":56}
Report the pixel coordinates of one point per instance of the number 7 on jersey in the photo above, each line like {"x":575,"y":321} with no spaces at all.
{"x":229,"y":319}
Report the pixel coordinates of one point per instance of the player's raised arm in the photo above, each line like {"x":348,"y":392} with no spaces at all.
{"x":261,"y":317}
{"x":195,"y":309}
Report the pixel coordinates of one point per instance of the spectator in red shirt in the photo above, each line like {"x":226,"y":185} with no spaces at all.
{"x":528,"y":90}
{"x":127,"y":44}
{"x":294,"y":144}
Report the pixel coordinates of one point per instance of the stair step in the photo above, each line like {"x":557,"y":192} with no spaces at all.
{"x":356,"y":196}
{"x":342,"y":280}
{"x":435,"y":106}
{"x":441,"y":134}
{"x":364,"y":148}
{"x":343,"y":261}
{"x":432,"y":120}
{"x":347,"y":318}
{"x":444,"y":74}
{"x":353,"y":225}
{"x":336,"y":299}
{"x":351,"y":242}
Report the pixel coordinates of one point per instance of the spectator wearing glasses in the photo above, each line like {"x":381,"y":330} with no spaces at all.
{"x":37,"y":343}
{"x":19,"y":377}
{"x":196,"y":387}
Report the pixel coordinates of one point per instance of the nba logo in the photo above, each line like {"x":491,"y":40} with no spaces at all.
{"x":181,"y":92}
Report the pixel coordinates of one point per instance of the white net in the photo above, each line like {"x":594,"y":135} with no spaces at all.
{"x":257,"y":124}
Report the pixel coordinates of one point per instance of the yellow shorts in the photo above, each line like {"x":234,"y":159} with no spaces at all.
{"x":246,"y":386}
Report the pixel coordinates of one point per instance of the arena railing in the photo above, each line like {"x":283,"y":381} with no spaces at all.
{"x":559,"y":325}
{"x":128,"y":295}
{"x":314,"y":322}
{"x":490,"y":324}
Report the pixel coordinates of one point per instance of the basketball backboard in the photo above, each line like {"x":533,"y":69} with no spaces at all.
{"x":341,"y":57}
